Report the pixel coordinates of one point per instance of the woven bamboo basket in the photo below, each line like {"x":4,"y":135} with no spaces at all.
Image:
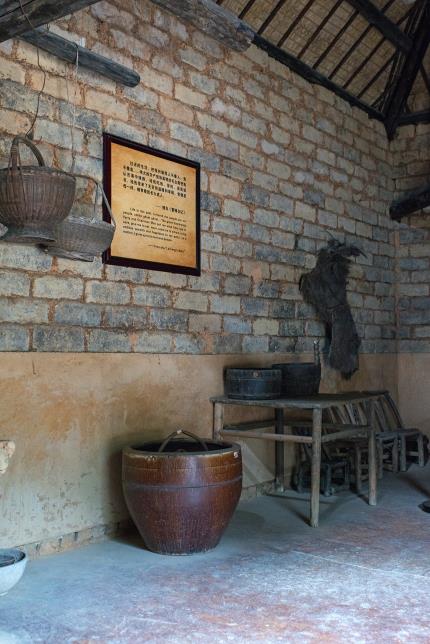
{"x":33,"y":199}
{"x":81,"y":238}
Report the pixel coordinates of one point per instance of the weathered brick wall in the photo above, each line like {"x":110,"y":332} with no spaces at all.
{"x":411,"y":158}
{"x":285,"y":165}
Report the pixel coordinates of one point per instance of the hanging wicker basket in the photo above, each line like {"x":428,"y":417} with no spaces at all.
{"x":81,"y":238}
{"x":33,"y":199}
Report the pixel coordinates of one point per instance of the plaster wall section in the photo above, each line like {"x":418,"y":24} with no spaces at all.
{"x":285,"y":166}
{"x":411,"y":155}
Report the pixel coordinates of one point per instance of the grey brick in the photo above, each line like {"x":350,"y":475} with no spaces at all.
{"x":207,"y":160}
{"x":235,"y":170}
{"x":92,"y":270}
{"x":252,"y":306}
{"x":14,"y":283}
{"x":256,"y":232}
{"x":266,"y":288}
{"x":255,"y":195}
{"x":153,"y":343}
{"x":237,"y":285}
{"x":236,"y":209}
{"x":105,"y":341}
{"x":23,"y":310}
{"x":223,"y":264}
{"x":210,"y":203}
{"x":282,"y":345}
{"x":152,"y":296}
{"x":291,"y":328}
{"x":269,"y":253}
{"x":205,"y":282}
{"x":209,"y":322}
{"x":189,"y":344}
{"x":166,"y":279}
{"x":169,"y":319}
{"x":225,"y":147}
{"x":13,"y":338}
{"x":75,"y":313}
{"x":21,"y":256}
{"x":125,"y":274}
{"x":125,"y":317}
{"x":237,"y":247}
{"x":282,"y":309}
{"x":233,"y":324}
{"x":57,"y":288}
{"x":107,"y":293}
{"x":252,"y":344}
{"x":58,"y":339}
{"x":227,"y":226}
{"x":191,"y":301}
{"x":266,"y":217}
{"x":227,"y":344}
{"x":224,"y":304}
{"x":284,"y":205}
{"x":211,"y":242}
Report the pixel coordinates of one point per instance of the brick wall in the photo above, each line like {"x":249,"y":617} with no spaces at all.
{"x":411,"y":157}
{"x":284,"y":165}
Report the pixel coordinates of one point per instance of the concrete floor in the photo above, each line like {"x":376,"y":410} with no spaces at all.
{"x":363,"y":576}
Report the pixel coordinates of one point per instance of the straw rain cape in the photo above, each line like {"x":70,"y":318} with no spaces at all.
{"x":325,"y":289}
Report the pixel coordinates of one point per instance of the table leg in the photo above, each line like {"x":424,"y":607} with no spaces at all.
{"x":279,"y":451}
{"x":373,"y":467}
{"x":316,"y":466}
{"x":218,"y":420}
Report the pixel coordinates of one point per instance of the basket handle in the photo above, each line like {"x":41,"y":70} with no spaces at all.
{"x":15,"y":157}
{"x":99,"y":187}
{"x":182,"y":431}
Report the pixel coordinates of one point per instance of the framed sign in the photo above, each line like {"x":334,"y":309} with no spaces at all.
{"x":155,"y":199}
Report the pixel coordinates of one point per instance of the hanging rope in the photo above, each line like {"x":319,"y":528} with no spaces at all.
{"x":30,"y":133}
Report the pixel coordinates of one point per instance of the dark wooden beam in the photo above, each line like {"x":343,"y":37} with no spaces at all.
{"x":313,"y":76}
{"x":67,"y":50}
{"x":409,"y":72}
{"x":415,"y":117}
{"x":387,"y":28}
{"x":39,"y":12}
{"x":410,"y":203}
{"x":210,"y":17}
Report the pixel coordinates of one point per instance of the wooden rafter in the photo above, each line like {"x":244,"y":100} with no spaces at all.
{"x":409,"y":71}
{"x":423,"y":116}
{"x":388,"y":29}
{"x":313,"y":76}
{"x":412,"y":202}
{"x":67,"y":51}
{"x":13,"y":22}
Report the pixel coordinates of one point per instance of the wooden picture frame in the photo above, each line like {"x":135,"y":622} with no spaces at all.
{"x":155,"y":200}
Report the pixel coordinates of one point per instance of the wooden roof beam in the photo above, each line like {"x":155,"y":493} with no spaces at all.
{"x":409,"y":72}
{"x":388,"y":29}
{"x":313,"y":76}
{"x":410,"y":203}
{"x":39,"y":12}
{"x":414,"y":118}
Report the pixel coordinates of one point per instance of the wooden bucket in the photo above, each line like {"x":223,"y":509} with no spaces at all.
{"x":182,"y":494}
{"x":252,"y":383}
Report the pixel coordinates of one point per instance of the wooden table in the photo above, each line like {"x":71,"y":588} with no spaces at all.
{"x":315,"y":404}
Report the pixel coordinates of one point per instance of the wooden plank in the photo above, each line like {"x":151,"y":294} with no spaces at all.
{"x":279,"y":451}
{"x":218,"y":420}
{"x":345,"y":433}
{"x":321,"y":401}
{"x":213,"y":19}
{"x":414,"y":118}
{"x":313,"y":76}
{"x":316,"y":467}
{"x":373,"y":468}
{"x":410,"y":203}
{"x":387,"y":28}
{"x":66,"y":50}
{"x":408,"y":73}
{"x":250,"y":426}
{"x":14,"y":23}
{"x":283,"y":438}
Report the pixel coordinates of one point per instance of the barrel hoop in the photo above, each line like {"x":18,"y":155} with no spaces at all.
{"x":161,"y":486}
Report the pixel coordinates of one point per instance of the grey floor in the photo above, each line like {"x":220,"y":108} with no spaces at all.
{"x":363,"y":576}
